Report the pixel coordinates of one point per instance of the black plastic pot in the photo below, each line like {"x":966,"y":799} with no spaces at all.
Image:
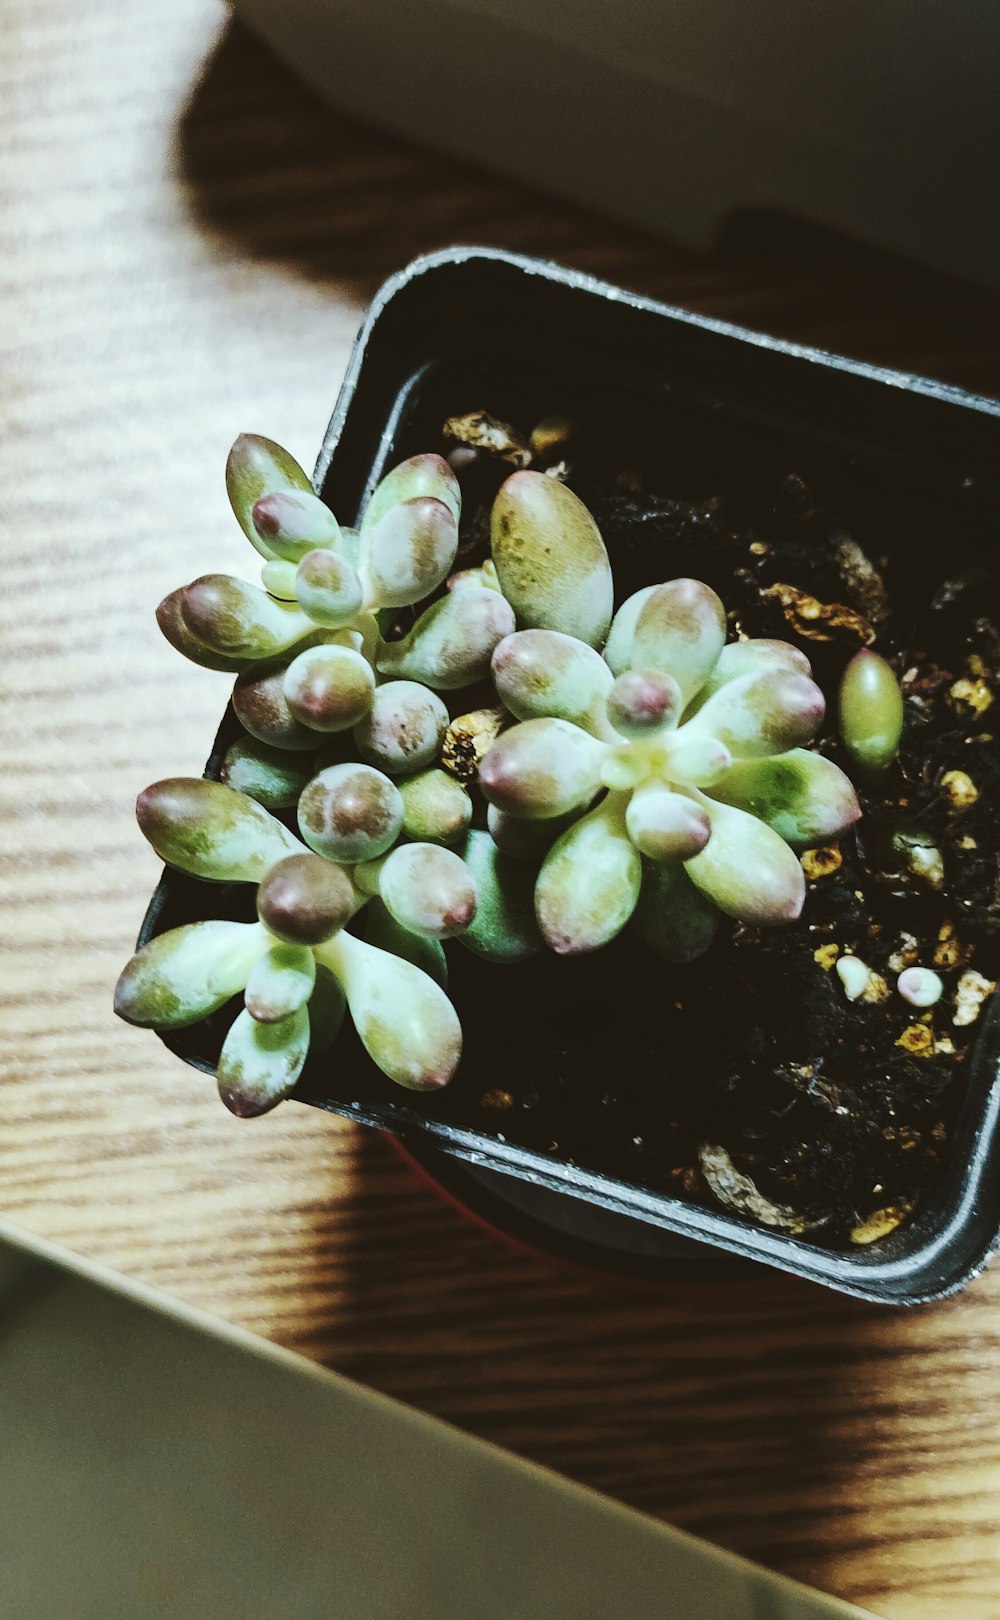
{"x":468,"y":329}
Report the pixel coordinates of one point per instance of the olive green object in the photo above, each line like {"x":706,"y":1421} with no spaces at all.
{"x":550,"y":559}
{"x":259,"y":467}
{"x":871,"y":711}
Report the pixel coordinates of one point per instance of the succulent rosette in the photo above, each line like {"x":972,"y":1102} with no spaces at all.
{"x":680,"y":760}
{"x":298,"y":966}
{"x":307,"y":644}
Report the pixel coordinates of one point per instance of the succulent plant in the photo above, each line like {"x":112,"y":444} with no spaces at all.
{"x":639,"y":768}
{"x":297,"y":965}
{"x":680,"y":759}
{"x":309,"y":644}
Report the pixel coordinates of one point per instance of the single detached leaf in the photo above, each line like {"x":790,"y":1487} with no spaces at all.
{"x":871,"y":710}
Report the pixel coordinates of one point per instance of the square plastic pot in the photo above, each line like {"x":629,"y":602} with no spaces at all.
{"x":468,"y":329}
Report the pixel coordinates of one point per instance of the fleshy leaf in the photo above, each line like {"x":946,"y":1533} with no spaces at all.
{"x":402,"y":730}
{"x":184,"y":975}
{"x":280,"y":982}
{"x":747,"y":657}
{"x":436,"y":808}
{"x":261,"y":707}
{"x":405,"y":1021}
{"x":452,"y":642}
{"x":329,"y":688}
{"x":350,"y":813}
{"x":761,"y":713}
{"x":680,"y":630}
{"x":550,"y":559}
{"x":278,"y":579}
{"x":672,"y":917}
{"x":428,"y":890}
{"x":485,"y":575}
{"x":290,"y":523}
{"x":542,"y":768}
{"x":305,"y":898}
{"x":694,"y":759}
{"x":170,"y":618}
{"x":589,"y":882}
{"x":224,"y":623}
{"x":420,"y":476}
{"x":260,"y":1063}
{"x":327,"y":1010}
{"x":211,"y":830}
{"x":525,"y":840}
{"x":805,"y":798}
{"x":407,"y":554}
{"x":504,"y":927}
{"x":540,"y":673}
{"x":618,"y":649}
{"x":257,"y":466}
{"x":271,"y":776}
{"x":643,"y":701}
{"x":747,"y":869}
{"x":666,"y":826}
{"x":328,"y":589}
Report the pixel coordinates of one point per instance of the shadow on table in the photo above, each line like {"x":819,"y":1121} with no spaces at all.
{"x":776,"y":1418}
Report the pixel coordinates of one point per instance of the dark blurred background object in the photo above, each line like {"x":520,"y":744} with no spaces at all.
{"x":882,"y":121}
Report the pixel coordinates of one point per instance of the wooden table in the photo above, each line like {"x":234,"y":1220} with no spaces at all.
{"x":189,"y":239}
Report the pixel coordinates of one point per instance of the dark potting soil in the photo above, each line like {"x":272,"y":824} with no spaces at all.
{"x":747,"y":1077}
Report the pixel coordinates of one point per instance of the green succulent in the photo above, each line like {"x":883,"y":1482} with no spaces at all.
{"x":679,"y":759}
{"x":297,"y":965}
{"x":652,"y":771}
{"x":307,"y":644}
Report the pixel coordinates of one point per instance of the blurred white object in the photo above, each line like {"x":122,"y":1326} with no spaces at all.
{"x":156,"y":1463}
{"x":882,"y":121}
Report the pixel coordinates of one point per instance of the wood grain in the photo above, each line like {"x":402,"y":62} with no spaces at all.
{"x":188,"y":241}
